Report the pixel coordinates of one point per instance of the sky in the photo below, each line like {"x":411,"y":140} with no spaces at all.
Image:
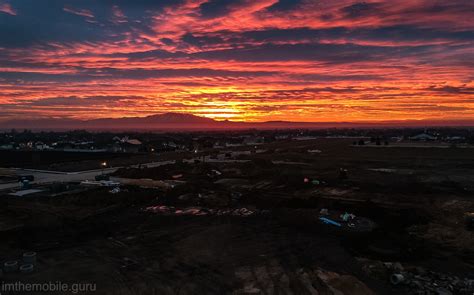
{"x":240,"y":60}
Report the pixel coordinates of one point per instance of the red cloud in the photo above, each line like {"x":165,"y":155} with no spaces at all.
{"x":7,"y":8}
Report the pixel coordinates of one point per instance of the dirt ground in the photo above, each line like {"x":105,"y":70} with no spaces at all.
{"x":416,"y":196}
{"x":70,"y":161}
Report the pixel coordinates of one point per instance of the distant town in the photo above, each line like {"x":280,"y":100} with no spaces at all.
{"x":84,"y":141}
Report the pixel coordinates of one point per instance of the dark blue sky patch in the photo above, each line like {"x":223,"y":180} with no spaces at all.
{"x":215,"y":8}
{"x":360,"y":9}
{"x":284,"y":5}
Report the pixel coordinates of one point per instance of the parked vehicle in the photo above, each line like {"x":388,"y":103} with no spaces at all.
{"x":26,"y":177}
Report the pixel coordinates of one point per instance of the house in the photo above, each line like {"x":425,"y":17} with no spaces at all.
{"x":6,"y":146}
{"x":219,"y":145}
{"x":114,"y":148}
{"x":41,"y":146}
{"x":282,"y":137}
{"x":126,"y":145}
{"x":254,"y":140}
{"x":133,"y":142}
{"x":455,"y":138}
{"x":130,"y":147}
{"x":423,"y":137}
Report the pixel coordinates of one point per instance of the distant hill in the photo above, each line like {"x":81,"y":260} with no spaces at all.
{"x":159,"y":121}
{"x":181,"y":121}
{"x":166,"y":118}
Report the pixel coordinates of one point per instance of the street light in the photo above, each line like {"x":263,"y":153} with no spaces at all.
{"x":103,"y":164}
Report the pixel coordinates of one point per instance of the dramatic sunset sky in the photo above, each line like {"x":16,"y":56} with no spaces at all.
{"x":242,"y":60}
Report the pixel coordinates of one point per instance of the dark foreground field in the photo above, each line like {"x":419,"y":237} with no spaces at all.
{"x":69,"y":161}
{"x":132,"y":252}
{"x":416,"y":196}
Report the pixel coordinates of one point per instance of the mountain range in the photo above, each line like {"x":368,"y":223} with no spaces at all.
{"x":181,"y":121}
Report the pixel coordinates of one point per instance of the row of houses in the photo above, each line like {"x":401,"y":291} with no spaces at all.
{"x":430,"y":137}
{"x":120,"y":145}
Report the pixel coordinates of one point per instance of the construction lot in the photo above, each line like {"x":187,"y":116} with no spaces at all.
{"x":249,"y":223}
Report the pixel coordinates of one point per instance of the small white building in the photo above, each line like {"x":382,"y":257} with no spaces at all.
{"x":423,"y":137}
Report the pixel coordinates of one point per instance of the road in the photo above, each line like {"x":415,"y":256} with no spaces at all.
{"x":44,"y":176}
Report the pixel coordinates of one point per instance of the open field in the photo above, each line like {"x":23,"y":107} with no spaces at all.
{"x":69,"y":161}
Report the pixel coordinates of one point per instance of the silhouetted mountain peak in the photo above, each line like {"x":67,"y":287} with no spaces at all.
{"x":178,"y":118}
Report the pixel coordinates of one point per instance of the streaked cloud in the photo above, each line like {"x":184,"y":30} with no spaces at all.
{"x":79,"y":12}
{"x":7,"y":8}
